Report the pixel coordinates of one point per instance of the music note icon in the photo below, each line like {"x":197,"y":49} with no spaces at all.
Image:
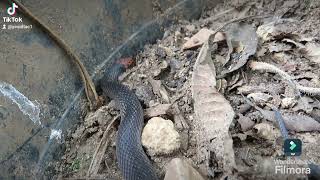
{"x":12,"y":10}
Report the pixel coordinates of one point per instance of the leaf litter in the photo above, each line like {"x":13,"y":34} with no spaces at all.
{"x":271,"y":60}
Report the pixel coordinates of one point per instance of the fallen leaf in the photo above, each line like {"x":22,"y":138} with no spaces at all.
{"x":259,"y":97}
{"x":245,"y":40}
{"x":200,"y":37}
{"x":313,"y":51}
{"x":301,"y":123}
{"x":297,"y":123}
{"x":213,"y":116}
{"x":279,"y":29}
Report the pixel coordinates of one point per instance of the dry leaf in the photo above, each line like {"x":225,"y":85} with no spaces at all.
{"x":213,"y":116}
{"x":301,"y":123}
{"x":245,"y":40}
{"x":200,"y":37}
{"x":259,"y":97}
{"x":278,"y":29}
{"x":297,"y":123}
{"x":313,"y":51}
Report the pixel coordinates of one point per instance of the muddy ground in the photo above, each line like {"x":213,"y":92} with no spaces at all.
{"x":257,"y":142}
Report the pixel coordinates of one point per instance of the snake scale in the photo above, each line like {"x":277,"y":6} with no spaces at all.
{"x":133,"y":163}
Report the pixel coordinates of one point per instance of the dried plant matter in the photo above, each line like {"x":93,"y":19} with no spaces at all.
{"x":262,"y":66}
{"x":213,"y":115}
{"x":246,"y":39}
{"x":293,"y":122}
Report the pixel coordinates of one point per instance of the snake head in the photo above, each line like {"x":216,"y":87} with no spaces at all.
{"x":127,"y":62}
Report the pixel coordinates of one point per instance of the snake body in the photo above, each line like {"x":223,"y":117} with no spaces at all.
{"x":132,"y":160}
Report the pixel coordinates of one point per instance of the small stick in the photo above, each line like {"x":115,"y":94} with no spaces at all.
{"x":100,"y":150}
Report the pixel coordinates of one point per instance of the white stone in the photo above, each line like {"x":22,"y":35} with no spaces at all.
{"x":159,"y":137}
{"x":288,"y":102}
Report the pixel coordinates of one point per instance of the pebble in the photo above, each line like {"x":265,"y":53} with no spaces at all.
{"x":288,"y":102}
{"x":191,"y":28}
{"x":159,"y":137}
{"x":144,"y":94}
{"x":160,"y":52}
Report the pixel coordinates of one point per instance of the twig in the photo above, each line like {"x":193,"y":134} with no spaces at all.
{"x":90,"y":90}
{"x":101,"y":149}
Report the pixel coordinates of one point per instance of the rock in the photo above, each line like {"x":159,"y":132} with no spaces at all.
{"x":179,"y":169}
{"x":288,"y":102}
{"x":144,"y":94}
{"x":191,"y":28}
{"x":159,"y":137}
{"x":245,"y":122}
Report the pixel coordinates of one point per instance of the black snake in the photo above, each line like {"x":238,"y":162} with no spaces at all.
{"x":132,"y":160}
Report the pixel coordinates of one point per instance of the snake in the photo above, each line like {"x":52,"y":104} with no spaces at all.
{"x":133,"y":162}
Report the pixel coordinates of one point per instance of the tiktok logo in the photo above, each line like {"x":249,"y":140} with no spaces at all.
{"x":12,"y":10}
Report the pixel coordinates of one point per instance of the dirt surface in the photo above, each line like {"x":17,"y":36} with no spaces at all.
{"x":257,"y":142}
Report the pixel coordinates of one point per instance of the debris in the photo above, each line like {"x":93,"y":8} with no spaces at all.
{"x":157,"y":110}
{"x":161,"y":52}
{"x":245,"y":122}
{"x":160,"y":69}
{"x":179,"y":120}
{"x":297,"y":123}
{"x":288,"y":102}
{"x":246,"y":39}
{"x":271,"y":68}
{"x":260,"y":97}
{"x":278,"y":47}
{"x":159,"y":89}
{"x":101,"y":149}
{"x":200,"y":37}
{"x":191,"y":28}
{"x":313,"y":51}
{"x":304,"y":104}
{"x":55,"y":134}
{"x":301,"y":123}
{"x":179,"y":169}
{"x":144,"y":93}
{"x":278,"y":29}
{"x":213,"y":115}
{"x":267,"y":131}
{"x":159,"y":137}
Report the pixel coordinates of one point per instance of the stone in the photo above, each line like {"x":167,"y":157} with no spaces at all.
{"x":288,"y":102}
{"x":159,"y":137}
{"x":179,"y":169}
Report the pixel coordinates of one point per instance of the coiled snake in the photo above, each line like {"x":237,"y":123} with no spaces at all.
{"x":132,"y":160}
